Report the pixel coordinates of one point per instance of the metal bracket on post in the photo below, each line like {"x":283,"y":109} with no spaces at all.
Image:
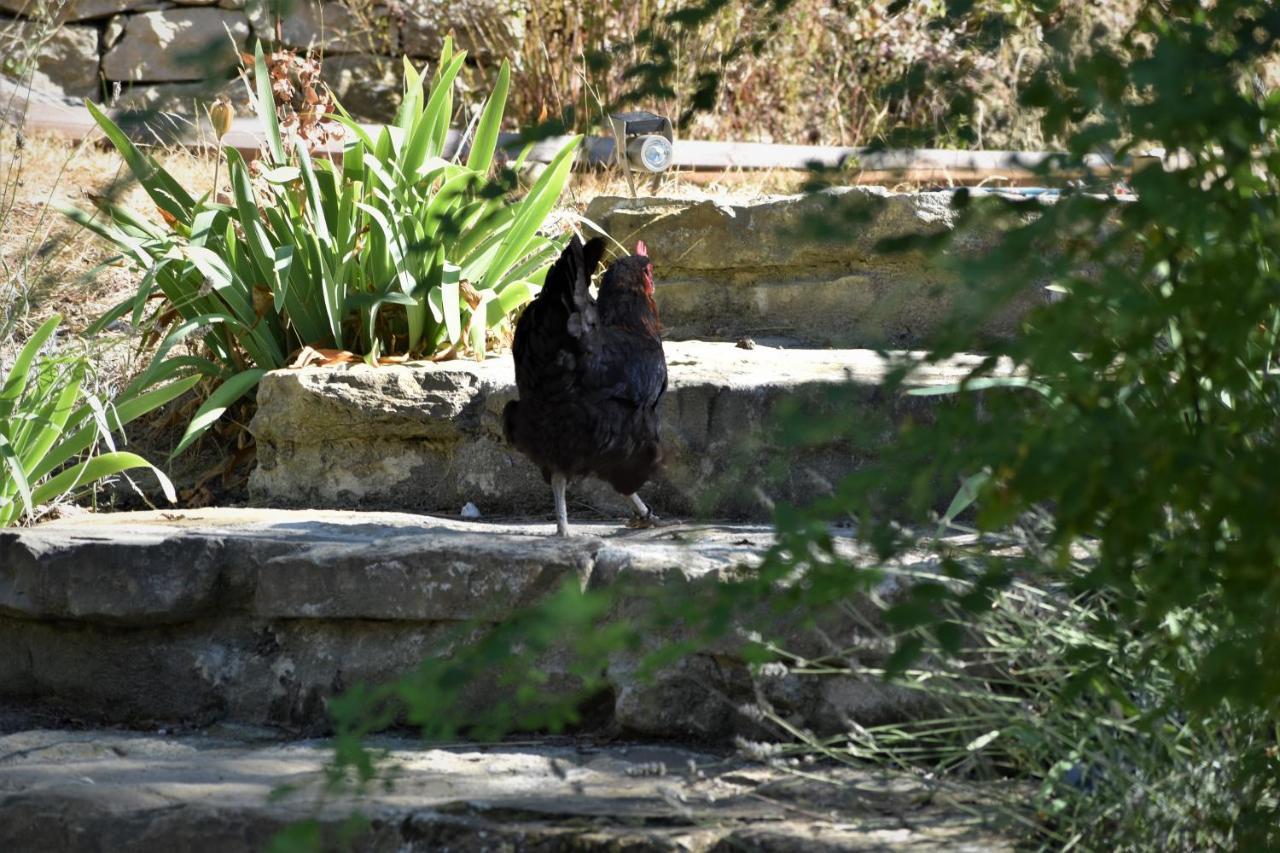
{"x":642,"y":141}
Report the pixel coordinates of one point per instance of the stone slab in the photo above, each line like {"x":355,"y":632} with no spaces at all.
{"x":74,"y":10}
{"x":429,"y":437}
{"x":177,"y":44}
{"x":171,"y":105}
{"x":64,"y":66}
{"x":760,"y":269}
{"x":76,"y":791}
{"x":260,"y":617}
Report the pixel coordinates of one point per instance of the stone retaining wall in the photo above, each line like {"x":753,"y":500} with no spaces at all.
{"x":151,"y":53}
{"x":809,"y":268}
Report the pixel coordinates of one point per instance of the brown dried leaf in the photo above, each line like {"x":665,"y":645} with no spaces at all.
{"x":470,"y":294}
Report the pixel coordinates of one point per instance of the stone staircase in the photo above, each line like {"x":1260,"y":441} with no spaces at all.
{"x":220,"y":634}
{"x":429,"y":437}
{"x":159,"y":668}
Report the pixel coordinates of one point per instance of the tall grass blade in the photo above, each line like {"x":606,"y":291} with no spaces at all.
{"x":20,"y":372}
{"x":219,"y":401}
{"x":486,"y":139}
{"x":267,"y":106}
{"x":97,"y":468}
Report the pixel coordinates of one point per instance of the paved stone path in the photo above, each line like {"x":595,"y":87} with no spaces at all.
{"x":209,"y":791}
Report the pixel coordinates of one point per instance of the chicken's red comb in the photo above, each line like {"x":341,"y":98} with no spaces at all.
{"x":641,"y":249}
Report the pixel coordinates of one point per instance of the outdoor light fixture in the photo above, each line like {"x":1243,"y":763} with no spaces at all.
{"x":642,"y":142}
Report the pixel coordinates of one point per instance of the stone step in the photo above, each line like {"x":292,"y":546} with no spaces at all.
{"x":806,"y":267}
{"x":261,"y":617}
{"x":72,"y":791}
{"x":429,"y":436}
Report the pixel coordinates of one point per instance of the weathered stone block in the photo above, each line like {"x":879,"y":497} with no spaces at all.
{"x":430,"y":437}
{"x":727,"y":270}
{"x":65,"y":65}
{"x":177,"y":44}
{"x":453,"y":581}
{"x":368,"y":87}
{"x":133,"y":579}
{"x":74,"y":10}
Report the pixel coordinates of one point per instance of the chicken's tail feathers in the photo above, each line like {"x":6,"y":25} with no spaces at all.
{"x":591,"y":255}
{"x":571,"y":274}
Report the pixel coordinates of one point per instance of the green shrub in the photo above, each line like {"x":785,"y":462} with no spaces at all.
{"x":48,"y":418}
{"x":395,"y":251}
{"x":1145,"y":433}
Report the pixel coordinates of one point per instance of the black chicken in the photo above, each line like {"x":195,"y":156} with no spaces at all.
{"x":590,"y":373}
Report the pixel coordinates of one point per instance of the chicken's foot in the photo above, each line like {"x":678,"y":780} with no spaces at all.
{"x":644,"y":516}
{"x":558,"y":483}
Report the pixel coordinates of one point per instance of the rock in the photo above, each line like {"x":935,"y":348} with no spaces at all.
{"x":726,"y":271}
{"x":488,"y":30}
{"x":328,"y":27}
{"x":113,"y":31}
{"x":75,"y":791}
{"x":66,"y":65}
{"x":368,"y":87}
{"x":261,"y":617}
{"x":51,"y":580}
{"x":430,"y":437}
{"x":697,"y":696}
{"x":75,"y":10}
{"x":177,"y":44}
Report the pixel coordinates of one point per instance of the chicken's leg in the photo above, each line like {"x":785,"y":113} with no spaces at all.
{"x":562,"y":513}
{"x":644,"y":516}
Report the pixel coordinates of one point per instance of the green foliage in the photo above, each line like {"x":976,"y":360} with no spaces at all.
{"x":1125,"y":765}
{"x":395,"y":250}
{"x":1150,"y":438}
{"x":49,"y":420}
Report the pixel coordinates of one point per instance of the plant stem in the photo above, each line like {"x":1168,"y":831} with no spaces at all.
{"x":216,"y":163}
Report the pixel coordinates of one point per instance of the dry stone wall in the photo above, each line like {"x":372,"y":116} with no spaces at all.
{"x":169,"y":55}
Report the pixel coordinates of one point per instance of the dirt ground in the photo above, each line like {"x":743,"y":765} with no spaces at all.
{"x":48,"y":261}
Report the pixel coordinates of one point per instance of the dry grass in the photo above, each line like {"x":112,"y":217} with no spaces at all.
{"x":828,"y":72}
{"x":47,"y":264}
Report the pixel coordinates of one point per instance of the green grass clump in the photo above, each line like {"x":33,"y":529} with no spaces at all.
{"x":53,"y":428}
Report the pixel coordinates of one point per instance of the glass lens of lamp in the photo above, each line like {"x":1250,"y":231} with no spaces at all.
{"x":651,"y":153}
